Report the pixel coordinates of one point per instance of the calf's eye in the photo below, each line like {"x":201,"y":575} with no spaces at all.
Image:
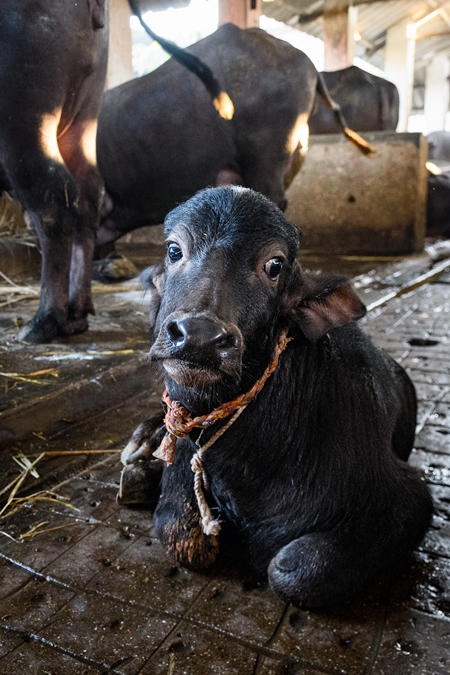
{"x":273,"y":267}
{"x":174,"y":252}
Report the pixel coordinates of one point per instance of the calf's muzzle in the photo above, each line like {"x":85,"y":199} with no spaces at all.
{"x":200,"y":333}
{"x":198,"y":341}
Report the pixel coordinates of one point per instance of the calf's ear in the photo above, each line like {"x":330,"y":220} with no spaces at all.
{"x":325,"y":302}
{"x":152,"y":279}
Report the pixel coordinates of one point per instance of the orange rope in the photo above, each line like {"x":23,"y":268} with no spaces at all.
{"x":179,"y":422}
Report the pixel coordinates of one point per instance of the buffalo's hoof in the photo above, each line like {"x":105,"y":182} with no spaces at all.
{"x":139,"y":483}
{"x":113,"y":268}
{"x":42,"y":329}
{"x":144,"y":440}
{"x":75,"y":326}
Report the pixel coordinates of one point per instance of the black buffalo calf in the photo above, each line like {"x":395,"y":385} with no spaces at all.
{"x":285,"y":425}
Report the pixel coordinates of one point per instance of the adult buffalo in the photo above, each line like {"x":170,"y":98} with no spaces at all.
{"x":439,"y":145}
{"x":438,"y":197}
{"x":368,"y":102}
{"x":159,"y":141}
{"x":438,"y":205}
{"x":296,"y":427}
{"x":54,"y":57}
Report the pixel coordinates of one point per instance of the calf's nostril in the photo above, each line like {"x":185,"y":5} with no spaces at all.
{"x":176,"y":335}
{"x":228,"y":341}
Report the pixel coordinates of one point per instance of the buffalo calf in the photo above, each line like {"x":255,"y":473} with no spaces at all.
{"x":287,"y":430}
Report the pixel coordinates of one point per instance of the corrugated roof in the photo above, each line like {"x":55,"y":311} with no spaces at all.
{"x":374,"y":19}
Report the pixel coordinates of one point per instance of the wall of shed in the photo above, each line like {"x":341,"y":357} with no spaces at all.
{"x":347,"y":203}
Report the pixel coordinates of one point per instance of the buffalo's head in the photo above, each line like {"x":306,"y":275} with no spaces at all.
{"x":228,"y":286}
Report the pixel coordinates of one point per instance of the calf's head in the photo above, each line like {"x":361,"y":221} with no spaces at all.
{"x":229,"y":285}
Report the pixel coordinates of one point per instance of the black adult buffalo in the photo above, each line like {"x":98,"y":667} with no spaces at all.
{"x":53,"y":59}
{"x":439,"y":145}
{"x":368,"y":102}
{"x":159,"y":141}
{"x":53,"y":63}
{"x":438,"y":198}
{"x":296,"y":427}
{"x":438,"y":205}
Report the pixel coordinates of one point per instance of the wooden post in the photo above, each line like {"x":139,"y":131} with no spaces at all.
{"x":399,"y":65}
{"x":120,"y":67}
{"x":436,"y":93}
{"x":339,"y":22}
{"x":243,"y":13}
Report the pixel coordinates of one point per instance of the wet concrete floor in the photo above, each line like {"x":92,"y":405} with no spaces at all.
{"x":85,"y":585}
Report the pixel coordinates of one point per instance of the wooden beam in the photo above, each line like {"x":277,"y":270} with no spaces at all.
{"x":120,"y":68}
{"x":338,"y":34}
{"x":243,"y":13}
{"x":399,"y":65}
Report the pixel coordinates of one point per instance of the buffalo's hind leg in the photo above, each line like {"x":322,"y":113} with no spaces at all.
{"x":63,"y":196}
{"x":61,"y":190}
{"x":77,"y":147}
{"x":41,"y":182}
{"x":316,"y":570}
{"x":328,"y":568}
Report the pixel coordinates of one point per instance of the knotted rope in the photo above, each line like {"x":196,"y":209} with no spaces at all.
{"x":179,"y":424}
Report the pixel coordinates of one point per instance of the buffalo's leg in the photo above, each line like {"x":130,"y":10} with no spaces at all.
{"x":61,"y":190}
{"x":141,"y":475}
{"x":77,"y":147}
{"x":47,"y":191}
{"x":269,"y":161}
{"x":177,"y":516}
{"x":317,"y":570}
{"x":326,"y":568}
{"x":405,"y":425}
{"x":266,"y":174}
{"x":145,"y":439}
{"x":63,"y":203}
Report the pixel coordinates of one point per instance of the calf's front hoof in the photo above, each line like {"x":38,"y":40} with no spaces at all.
{"x":140,"y":483}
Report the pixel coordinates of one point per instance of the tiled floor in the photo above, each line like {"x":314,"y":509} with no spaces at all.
{"x":95,"y":592}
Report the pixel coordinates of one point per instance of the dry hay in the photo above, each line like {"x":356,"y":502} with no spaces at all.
{"x":11,"y":217}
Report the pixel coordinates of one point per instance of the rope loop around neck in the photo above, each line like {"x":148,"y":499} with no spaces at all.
{"x":179,"y":424}
{"x":178,"y":420}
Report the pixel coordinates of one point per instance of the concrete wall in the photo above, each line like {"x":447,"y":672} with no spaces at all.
{"x":346,"y":203}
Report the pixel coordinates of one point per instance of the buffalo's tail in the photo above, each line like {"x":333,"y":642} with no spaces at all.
{"x":221,"y":100}
{"x":352,"y":136}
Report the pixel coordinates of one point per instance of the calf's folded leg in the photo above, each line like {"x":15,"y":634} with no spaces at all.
{"x":327,"y":568}
{"x":177,"y":516}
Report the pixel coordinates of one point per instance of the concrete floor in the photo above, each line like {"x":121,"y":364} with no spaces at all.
{"x":85,"y":585}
